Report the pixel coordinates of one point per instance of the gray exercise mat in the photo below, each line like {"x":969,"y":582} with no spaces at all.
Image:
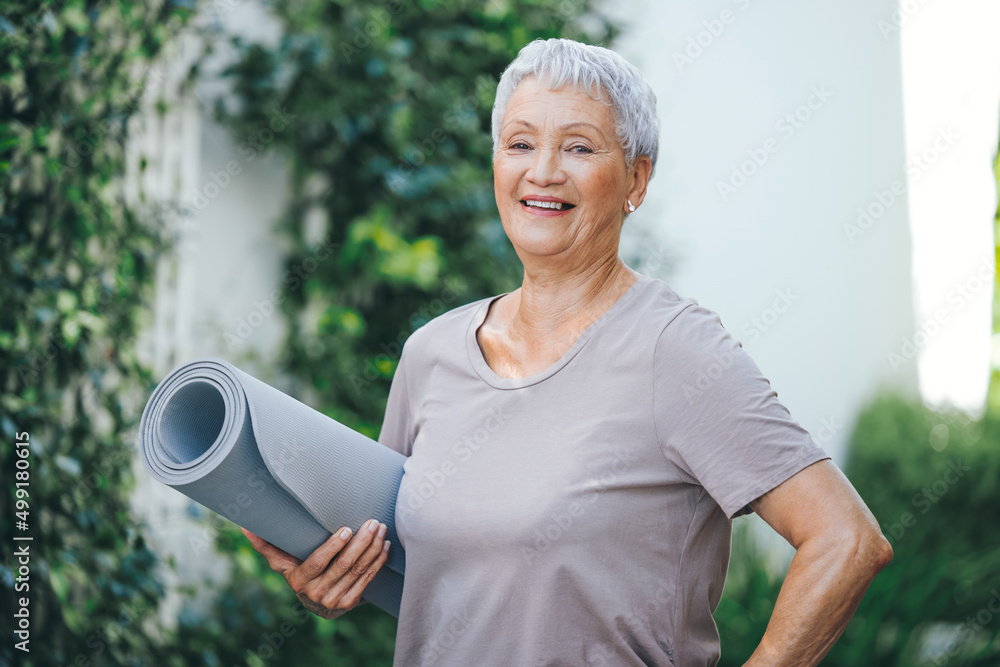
{"x":271,"y":464}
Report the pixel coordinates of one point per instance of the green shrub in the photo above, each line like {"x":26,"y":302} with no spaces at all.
{"x":931,"y":479}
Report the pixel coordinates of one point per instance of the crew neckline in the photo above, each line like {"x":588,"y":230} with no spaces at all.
{"x":491,"y":378}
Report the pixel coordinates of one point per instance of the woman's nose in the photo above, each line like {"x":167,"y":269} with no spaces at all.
{"x":546,"y":168}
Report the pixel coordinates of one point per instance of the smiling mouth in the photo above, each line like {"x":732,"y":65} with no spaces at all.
{"x":546,"y":205}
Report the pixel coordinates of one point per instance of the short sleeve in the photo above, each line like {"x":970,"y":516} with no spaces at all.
{"x":717,"y":417}
{"x":397,"y":423}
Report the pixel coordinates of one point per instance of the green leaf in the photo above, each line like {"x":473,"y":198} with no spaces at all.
{"x":66,"y":301}
{"x":75,"y":19}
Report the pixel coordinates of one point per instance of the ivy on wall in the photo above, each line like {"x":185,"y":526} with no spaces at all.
{"x":391,"y":220}
{"x":75,"y":265}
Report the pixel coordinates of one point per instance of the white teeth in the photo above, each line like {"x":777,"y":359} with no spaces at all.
{"x":544,"y":204}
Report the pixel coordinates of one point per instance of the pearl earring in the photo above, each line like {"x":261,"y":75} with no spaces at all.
{"x":630,"y":206}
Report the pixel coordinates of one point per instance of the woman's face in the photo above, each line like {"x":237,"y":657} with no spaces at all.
{"x":558,"y":148}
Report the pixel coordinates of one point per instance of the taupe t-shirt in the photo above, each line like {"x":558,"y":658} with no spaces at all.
{"x":580,"y":516}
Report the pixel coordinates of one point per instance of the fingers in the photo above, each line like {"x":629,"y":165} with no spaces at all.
{"x":279,"y":560}
{"x":344,"y":564}
{"x":354,"y":593}
{"x":354,"y":567}
{"x":352,"y":564}
{"x":371,"y":553}
{"x":318,"y":561}
{"x":332,"y":579}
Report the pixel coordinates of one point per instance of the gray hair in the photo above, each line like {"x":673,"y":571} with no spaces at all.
{"x":588,"y":68}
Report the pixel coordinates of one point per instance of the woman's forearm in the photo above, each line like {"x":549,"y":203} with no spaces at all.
{"x":825,"y":582}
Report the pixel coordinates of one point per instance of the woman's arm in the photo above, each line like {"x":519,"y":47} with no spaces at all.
{"x":839,"y":549}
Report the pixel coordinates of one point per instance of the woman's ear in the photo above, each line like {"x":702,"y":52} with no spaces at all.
{"x":639,"y":176}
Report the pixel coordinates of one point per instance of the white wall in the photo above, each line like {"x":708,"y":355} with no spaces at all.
{"x":780,"y":239}
{"x":951,"y":83}
{"x":214,"y":295}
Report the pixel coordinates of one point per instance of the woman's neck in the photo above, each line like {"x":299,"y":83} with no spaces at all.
{"x":552,"y":305}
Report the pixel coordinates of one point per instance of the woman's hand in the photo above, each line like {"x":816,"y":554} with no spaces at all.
{"x":330,"y":581}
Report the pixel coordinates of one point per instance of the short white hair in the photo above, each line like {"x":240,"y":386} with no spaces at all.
{"x":594,"y":70}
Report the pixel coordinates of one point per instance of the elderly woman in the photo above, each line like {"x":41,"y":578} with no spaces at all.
{"x":578,"y":447}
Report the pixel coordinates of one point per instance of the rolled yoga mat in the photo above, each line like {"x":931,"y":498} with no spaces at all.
{"x":271,"y":464}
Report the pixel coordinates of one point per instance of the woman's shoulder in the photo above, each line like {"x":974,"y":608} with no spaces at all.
{"x":661,"y":305}
{"x":678,"y":318}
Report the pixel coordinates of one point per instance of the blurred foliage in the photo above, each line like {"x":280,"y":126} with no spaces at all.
{"x":383,"y":111}
{"x":255,"y":620}
{"x":931,"y":480}
{"x":994,"y":392}
{"x":75,"y":264}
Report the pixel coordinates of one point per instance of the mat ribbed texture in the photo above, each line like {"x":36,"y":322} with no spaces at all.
{"x":271,"y":464}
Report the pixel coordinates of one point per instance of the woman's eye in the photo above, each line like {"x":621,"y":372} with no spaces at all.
{"x":580,"y":149}
{"x":519,"y":145}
